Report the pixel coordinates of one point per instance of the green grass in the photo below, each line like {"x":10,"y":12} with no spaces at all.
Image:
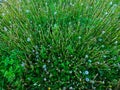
{"x":59,"y":44}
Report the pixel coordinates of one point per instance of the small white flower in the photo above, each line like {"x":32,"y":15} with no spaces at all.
{"x":70,"y":72}
{"x":89,"y":61}
{"x":87,"y":79}
{"x":80,"y":71}
{"x":100,"y":39}
{"x":98,"y":62}
{"x":103,"y":46}
{"x":27,"y":11}
{"x":64,"y":88}
{"x":45,"y":79}
{"x":3,"y":14}
{"x":103,"y":82}
{"x":33,"y":51}
{"x":37,"y":56}
{"x":35,"y":84}
{"x":111,"y":3}
{"x":81,"y":4}
{"x":104,"y":56}
{"x":116,"y":42}
{"x":44,"y":66}
{"x":23,"y":64}
{"x":115,"y":5}
{"x":103,"y":32}
{"x":86,"y":56}
{"x":46,"y":3}
{"x":71,"y":88}
{"x":37,"y":53}
{"x":55,"y":25}
{"x":86,"y":72}
{"x":55,"y":13}
{"x":28,"y":39}
{"x":5,"y":29}
{"x":48,"y":61}
{"x":79,"y":37}
{"x":106,"y":13}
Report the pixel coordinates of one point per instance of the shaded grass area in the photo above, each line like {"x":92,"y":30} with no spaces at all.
{"x":64,"y":44}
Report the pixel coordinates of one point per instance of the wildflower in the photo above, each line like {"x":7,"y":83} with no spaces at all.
{"x":116,"y":42}
{"x":27,"y":11}
{"x":44,"y":66}
{"x":103,"y":46}
{"x":70,"y":23}
{"x":100,"y":39}
{"x":86,"y":56}
{"x":33,"y":51}
{"x":103,"y":32}
{"x":3,"y":14}
{"x":81,"y":4}
{"x":111,"y":3}
{"x":70,"y":72}
{"x":45,"y":79}
{"x":23,"y":64}
{"x":37,"y":56}
{"x":49,"y":88}
{"x":64,"y":88}
{"x":80,"y":72}
{"x":89,"y":61}
{"x":79,"y":37}
{"x":55,"y":13}
{"x":46,"y":3}
{"x":48,"y":61}
{"x":87,"y":79}
{"x":37,"y":53}
{"x":5,"y":29}
{"x":55,"y":25}
{"x":86,"y":72}
{"x":35,"y":84}
{"x":28,"y":39}
{"x":71,"y":88}
{"x":106,"y":13}
{"x":104,"y":56}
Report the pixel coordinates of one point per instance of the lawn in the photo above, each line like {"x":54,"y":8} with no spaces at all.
{"x":59,"y":44}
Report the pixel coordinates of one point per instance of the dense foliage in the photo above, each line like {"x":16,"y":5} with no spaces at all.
{"x":59,"y":44}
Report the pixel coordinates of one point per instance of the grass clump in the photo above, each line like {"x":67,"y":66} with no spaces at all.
{"x":59,"y":44}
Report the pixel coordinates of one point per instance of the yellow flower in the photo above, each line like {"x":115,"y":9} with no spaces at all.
{"x":49,"y":88}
